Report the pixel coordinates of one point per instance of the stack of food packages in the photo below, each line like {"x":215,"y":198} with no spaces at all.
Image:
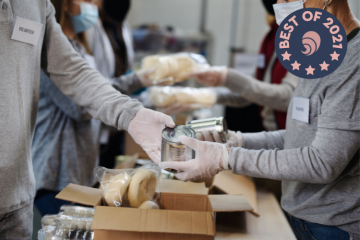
{"x":196,"y":97}
{"x":134,"y":188}
{"x":173,"y":68}
{"x":73,"y":222}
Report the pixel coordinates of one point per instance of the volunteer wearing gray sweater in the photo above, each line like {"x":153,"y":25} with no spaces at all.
{"x":21,"y":59}
{"x":318,"y":161}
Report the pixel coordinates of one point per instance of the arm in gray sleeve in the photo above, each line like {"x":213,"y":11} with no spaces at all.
{"x":275,"y":96}
{"x":321,"y":163}
{"x":264,"y":140}
{"x":63,"y":102}
{"x":228,"y":98}
{"x":126,"y":84}
{"x":80,"y":82}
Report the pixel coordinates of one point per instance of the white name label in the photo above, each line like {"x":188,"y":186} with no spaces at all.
{"x":301,"y":109}
{"x":26,"y":31}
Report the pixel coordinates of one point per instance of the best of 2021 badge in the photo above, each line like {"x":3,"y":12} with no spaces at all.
{"x":311,"y":43}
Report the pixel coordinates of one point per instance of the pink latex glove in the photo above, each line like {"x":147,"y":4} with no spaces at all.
{"x":235,"y":139}
{"x":206,"y":136}
{"x":211,"y":158}
{"x":213,"y":77}
{"x":146,"y":127}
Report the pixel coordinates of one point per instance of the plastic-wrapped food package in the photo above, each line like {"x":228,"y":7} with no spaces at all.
{"x":59,"y":227}
{"x":197,"y":97}
{"x":172,"y":68}
{"x":128,"y":187}
{"x":77,"y":211}
{"x":73,"y":228}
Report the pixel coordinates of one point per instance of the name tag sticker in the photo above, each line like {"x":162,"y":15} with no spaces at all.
{"x":26,"y":31}
{"x":301,"y":109}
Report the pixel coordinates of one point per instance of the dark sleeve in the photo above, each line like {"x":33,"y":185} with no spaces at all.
{"x":126,"y":84}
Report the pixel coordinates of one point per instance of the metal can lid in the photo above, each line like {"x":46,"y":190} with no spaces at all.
{"x":173,"y":134}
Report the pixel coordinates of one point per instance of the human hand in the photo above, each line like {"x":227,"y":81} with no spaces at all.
{"x":144,"y":77}
{"x":211,"y":158}
{"x":213,"y":76}
{"x":235,"y":139}
{"x":146,"y":127}
{"x":206,"y":136}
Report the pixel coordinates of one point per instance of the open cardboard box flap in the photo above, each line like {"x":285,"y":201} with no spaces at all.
{"x":229,"y":203}
{"x":81,"y":194}
{"x":229,"y":183}
{"x":175,"y":186}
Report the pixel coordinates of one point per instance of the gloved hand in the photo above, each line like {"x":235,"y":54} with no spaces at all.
{"x":146,"y":127}
{"x":206,"y":136}
{"x":213,"y":76}
{"x":175,"y":108}
{"x":235,"y":139}
{"x":211,"y":158}
{"x":144,"y":77}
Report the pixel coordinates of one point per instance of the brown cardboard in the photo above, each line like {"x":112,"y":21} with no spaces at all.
{"x":229,"y":203}
{"x":175,"y":186}
{"x":184,"y":214}
{"x":154,"y":221}
{"x":81,"y":194}
{"x":228,"y":183}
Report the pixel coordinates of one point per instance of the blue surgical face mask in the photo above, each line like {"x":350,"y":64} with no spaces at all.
{"x":87,"y":18}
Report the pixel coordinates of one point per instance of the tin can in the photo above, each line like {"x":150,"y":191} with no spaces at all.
{"x":210,"y":124}
{"x":172,"y":149}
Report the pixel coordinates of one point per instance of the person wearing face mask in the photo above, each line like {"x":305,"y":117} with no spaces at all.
{"x":21,"y":60}
{"x":110,"y":41}
{"x":318,"y":162}
{"x":66,"y":142}
{"x":271,"y":88}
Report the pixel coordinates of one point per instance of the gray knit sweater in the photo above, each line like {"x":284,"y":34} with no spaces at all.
{"x":19,"y":94}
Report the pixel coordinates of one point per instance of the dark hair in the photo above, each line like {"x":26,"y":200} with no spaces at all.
{"x":268,"y":4}
{"x":60,"y":15}
{"x":117,"y":9}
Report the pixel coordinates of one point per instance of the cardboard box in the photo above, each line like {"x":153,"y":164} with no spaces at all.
{"x":229,"y":183}
{"x":187,"y":212}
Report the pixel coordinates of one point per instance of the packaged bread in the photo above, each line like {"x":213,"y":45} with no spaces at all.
{"x":172,"y":68}
{"x":166,"y":96}
{"x":129,"y":187}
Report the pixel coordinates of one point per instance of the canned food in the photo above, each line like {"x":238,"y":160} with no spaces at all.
{"x":210,"y":124}
{"x":172,"y":149}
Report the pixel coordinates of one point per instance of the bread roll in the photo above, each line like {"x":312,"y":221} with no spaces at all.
{"x":148,"y":205}
{"x":115,"y":191}
{"x":185,"y":95}
{"x":142,"y":187}
{"x":185,"y":66}
{"x":205,"y":96}
{"x":162,"y":96}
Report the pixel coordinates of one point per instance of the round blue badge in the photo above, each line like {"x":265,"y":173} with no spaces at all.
{"x":311,"y":43}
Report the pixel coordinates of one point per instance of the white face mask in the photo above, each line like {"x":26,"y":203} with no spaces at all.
{"x":282,"y":10}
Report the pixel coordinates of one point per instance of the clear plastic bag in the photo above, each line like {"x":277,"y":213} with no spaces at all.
{"x":172,"y":68}
{"x":196,"y":97}
{"x":73,"y":228}
{"x":77,"y":211}
{"x":59,"y":227}
{"x":128,"y":187}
